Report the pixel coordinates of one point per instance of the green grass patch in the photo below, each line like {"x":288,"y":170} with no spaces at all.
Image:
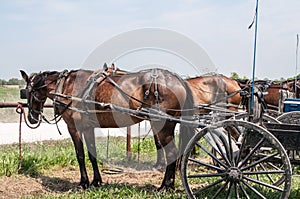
{"x":36,"y":157}
{"x":10,"y":93}
{"x":40,"y":157}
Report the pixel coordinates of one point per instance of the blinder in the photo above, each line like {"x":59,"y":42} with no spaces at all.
{"x":24,"y":94}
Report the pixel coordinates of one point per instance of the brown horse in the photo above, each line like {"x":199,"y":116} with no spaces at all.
{"x":208,"y":90}
{"x":274,"y":93}
{"x":294,"y":86}
{"x":154,"y":89}
{"x":215,"y":89}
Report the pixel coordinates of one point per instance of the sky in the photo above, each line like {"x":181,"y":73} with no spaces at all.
{"x":38,"y":35}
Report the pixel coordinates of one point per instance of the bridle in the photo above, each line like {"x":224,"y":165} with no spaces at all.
{"x":31,"y":109}
{"x":30,"y":93}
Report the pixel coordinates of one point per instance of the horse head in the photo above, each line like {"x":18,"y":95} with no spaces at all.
{"x":113,"y":70}
{"x":294,"y":86}
{"x":36,"y":95}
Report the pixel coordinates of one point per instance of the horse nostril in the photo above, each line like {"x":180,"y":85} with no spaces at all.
{"x":32,"y":118}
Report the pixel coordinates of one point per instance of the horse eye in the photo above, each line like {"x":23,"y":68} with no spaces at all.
{"x":29,"y":87}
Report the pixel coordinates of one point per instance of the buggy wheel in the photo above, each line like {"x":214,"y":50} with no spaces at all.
{"x":272,"y":113}
{"x":265,"y":117}
{"x":290,"y":117}
{"x":244,"y":169}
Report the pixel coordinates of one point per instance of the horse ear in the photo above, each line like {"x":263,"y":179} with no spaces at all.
{"x":24,"y":75}
{"x":105,"y":68}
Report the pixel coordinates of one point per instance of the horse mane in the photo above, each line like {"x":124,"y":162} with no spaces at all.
{"x":47,"y":73}
{"x":206,"y":75}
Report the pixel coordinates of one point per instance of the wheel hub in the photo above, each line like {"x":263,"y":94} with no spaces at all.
{"x":234,"y":174}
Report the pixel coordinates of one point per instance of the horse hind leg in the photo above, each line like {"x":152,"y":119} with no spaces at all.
{"x":160,"y":158}
{"x":166,"y":137}
{"x":89,"y":137}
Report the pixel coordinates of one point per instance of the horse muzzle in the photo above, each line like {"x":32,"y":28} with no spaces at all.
{"x":33,"y":117}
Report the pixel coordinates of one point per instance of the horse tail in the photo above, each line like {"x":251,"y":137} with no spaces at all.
{"x":186,"y":131}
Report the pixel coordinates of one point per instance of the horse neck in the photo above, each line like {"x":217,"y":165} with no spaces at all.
{"x":51,"y":82}
{"x":211,"y":86}
{"x":231,"y":85}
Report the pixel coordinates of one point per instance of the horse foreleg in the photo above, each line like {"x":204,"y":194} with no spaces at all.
{"x":89,"y":137}
{"x":77,"y":141}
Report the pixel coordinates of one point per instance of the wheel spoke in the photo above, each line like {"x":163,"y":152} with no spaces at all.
{"x":244,"y":191}
{"x":254,"y":190}
{"x":257,"y":176}
{"x":264,"y":168}
{"x":241,"y":151}
{"x":220,"y":189}
{"x":207,"y":175}
{"x":220,"y":150}
{"x":229,"y":191}
{"x":238,"y":130}
{"x":212,"y":155}
{"x":206,"y":164}
{"x":272,"y":165}
{"x":263,"y":172}
{"x":252,"y":152}
{"x":259,"y":161}
{"x":230,"y":148}
{"x":263,"y":183}
{"x":236,"y":191}
{"x":209,"y":186}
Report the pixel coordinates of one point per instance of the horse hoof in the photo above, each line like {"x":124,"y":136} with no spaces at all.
{"x":161,"y":189}
{"x":159,"y":168}
{"x":96,"y":183}
{"x":166,"y":188}
{"x":84,"y":185}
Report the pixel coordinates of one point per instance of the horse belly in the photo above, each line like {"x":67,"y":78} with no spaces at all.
{"x":116,"y":120}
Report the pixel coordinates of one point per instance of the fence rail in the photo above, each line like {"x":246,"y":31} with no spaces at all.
{"x":49,"y":105}
{"x":15,"y":104}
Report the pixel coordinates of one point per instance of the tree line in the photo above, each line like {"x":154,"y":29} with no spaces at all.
{"x":12,"y":81}
{"x":234,"y":75}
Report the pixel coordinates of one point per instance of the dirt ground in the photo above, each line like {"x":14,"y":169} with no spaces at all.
{"x":62,"y":180}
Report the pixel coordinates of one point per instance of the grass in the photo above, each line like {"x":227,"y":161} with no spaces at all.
{"x":41,"y":157}
{"x":12,"y":94}
{"x":9,"y":93}
{"x":37,"y":157}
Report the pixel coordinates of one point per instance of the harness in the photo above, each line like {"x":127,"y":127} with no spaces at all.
{"x":85,"y":95}
{"x":154,"y":76}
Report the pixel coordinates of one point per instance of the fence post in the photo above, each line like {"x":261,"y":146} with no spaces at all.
{"x":128,"y":146}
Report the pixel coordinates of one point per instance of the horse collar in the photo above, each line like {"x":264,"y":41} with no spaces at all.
{"x":58,"y":88}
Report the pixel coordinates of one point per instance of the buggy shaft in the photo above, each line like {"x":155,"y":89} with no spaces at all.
{"x":144,"y":112}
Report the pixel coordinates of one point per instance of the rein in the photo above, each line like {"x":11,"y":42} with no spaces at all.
{"x":20,"y":110}
{"x":123,"y":92}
